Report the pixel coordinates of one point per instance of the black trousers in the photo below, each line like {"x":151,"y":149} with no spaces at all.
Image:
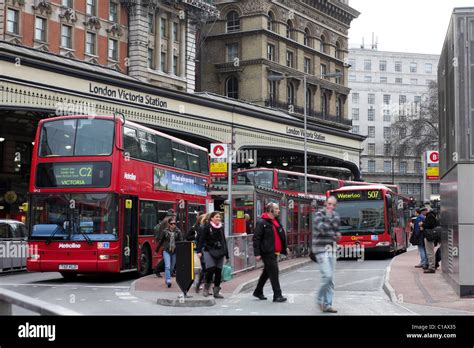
{"x":270,"y":270}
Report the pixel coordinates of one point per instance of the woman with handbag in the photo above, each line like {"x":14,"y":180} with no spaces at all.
{"x":196,"y":231}
{"x":170,"y":236}
{"x":213,"y":246}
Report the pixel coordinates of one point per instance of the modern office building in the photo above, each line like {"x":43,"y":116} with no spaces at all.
{"x":386,"y":86}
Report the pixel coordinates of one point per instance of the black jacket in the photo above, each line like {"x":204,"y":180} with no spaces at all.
{"x":193,"y":233}
{"x":430,"y":221}
{"x":210,"y":238}
{"x":264,"y":238}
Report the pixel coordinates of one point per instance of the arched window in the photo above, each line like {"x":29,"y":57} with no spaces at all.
{"x":307,"y":37}
{"x":339,"y":109}
{"x":322,"y":44}
{"x":289,"y":30}
{"x":232,"y":88}
{"x":291,"y":94}
{"x":271,"y":21}
{"x":324,"y":105}
{"x":309,"y":100}
{"x":233,"y":21}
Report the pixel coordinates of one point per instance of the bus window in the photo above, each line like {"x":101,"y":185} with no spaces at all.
{"x":193,"y":159}
{"x":163,"y":149}
{"x":147,"y":146}
{"x":148,"y":217}
{"x":203,"y":161}
{"x":246,"y":178}
{"x":130,"y":142}
{"x":94,"y":137}
{"x":264,"y":178}
{"x":193,"y":211}
{"x":4,"y":231}
{"x":180,"y":156}
{"x":282,"y":182}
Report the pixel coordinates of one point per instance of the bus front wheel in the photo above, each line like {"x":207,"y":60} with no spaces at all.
{"x":145,"y":261}
{"x":69,"y":276}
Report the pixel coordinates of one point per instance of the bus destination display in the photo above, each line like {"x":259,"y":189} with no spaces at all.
{"x":359,"y":195}
{"x":91,"y":174}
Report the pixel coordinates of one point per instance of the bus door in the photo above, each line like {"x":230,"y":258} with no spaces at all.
{"x":129,"y":206}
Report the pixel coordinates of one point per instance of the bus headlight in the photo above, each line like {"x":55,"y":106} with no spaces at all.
{"x":104,"y":257}
{"x":383,"y":244}
{"x":35,"y":256}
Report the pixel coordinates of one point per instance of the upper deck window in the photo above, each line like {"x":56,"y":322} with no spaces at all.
{"x":77,"y":137}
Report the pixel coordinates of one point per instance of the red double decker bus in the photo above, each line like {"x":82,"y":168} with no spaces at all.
{"x":293,"y":182}
{"x":373,"y":217}
{"x":98,"y":187}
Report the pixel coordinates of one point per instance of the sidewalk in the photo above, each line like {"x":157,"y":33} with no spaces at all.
{"x":411,"y":285}
{"x":153,"y":287}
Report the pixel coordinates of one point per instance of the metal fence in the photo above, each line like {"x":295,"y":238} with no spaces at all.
{"x":241,"y":253}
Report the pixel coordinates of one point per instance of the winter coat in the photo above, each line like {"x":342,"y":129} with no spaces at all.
{"x":264,"y":238}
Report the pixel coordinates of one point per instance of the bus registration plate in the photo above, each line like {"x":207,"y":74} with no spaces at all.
{"x":69,"y":267}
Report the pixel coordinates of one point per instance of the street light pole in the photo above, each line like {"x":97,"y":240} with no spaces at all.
{"x":305,"y":138}
{"x":305,"y":80}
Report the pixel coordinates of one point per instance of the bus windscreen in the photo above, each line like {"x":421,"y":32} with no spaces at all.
{"x":77,"y":137}
{"x":361,"y":212}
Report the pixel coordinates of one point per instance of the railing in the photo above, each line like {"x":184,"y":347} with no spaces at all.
{"x":310,"y":112}
{"x":8,"y":299}
{"x":241,"y":254}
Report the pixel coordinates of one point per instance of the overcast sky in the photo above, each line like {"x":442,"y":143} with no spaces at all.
{"x":414,"y":26}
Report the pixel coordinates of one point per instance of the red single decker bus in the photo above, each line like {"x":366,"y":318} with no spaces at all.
{"x":99,"y":185}
{"x":373,"y":217}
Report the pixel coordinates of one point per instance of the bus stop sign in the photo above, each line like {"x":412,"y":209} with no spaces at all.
{"x":184,"y":265}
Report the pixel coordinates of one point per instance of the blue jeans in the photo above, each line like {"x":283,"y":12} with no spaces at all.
{"x":327,"y":263}
{"x":423,"y":256}
{"x":170,"y":262}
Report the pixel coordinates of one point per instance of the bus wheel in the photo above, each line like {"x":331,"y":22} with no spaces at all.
{"x":69,"y":276}
{"x":145,"y":261}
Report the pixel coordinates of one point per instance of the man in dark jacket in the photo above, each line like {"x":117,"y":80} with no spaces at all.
{"x":269,"y":241}
{"x":430,"y":223}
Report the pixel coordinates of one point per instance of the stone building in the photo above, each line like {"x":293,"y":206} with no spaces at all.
{"x":253,"y":40}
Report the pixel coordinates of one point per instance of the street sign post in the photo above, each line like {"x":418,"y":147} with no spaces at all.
{"x":185,"y":266}
{"x":219,"y":163}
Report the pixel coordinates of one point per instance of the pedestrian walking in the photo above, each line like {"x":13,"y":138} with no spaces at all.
{"x":158,"y":229}
{"x":324,"y":245}
{"x":168,"y":240}
{"x":430,"y":223}
{"x":419,"y":239}
{"x":213,"y":246}
{"x":195,"y":232}
{"x":269,"y":241}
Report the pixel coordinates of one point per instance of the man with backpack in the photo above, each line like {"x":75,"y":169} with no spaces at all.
{"x":430,"y":223}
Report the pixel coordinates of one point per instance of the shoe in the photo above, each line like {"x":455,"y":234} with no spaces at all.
{"x":429,"y":271}
{"x":329,"y":310}
{"x":169,"y":285}
{"x":425,"y":267}
{"x":198,"y":288}
{"x":419,"y":266}
{"x":216,"y":291}
{"x":279,"y":299}
{"x":207,"y":287}
{"x":259,"y":296}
